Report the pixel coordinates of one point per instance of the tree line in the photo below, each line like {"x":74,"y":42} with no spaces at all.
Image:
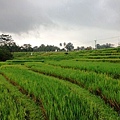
{"x":7,"y":46}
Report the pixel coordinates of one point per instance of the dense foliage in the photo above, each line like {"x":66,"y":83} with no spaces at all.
{"x":5,"y":54}
{"x":5,"y":42}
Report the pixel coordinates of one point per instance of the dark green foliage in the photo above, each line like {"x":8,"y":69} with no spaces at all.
{"x":69,"y":46}
{"x":66,"y":53}
{"x":5,"y":47}
{"x":5,"y":54}
{"x":107,"y":45}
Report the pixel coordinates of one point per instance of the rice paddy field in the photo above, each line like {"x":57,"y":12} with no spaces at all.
{"x":79,"y":85}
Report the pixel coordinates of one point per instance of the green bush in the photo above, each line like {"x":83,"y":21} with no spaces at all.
{"x":5,"y":54}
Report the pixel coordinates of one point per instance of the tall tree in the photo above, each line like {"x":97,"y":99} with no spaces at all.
{"x":64,"y":44}
{"x":60,"y":44}
{"x":69,"y":46}
{"x":27,"y":48}
{"x":5,"y":41}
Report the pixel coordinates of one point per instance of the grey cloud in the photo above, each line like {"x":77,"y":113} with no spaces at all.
{"x":20,"y":16}
{"x":90,"y":13}
{"x":23,"y":15}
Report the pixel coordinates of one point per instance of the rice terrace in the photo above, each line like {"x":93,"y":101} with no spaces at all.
{"x":77,"y":85}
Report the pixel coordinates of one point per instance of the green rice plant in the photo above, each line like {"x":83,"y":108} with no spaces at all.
{"x":110,"y":69}
{"x":2,"y":63}
{"x":92,"y":81}
{"x":16,"y":106}
{"x":62,"y":100}
{"x":97,"y":60}
{"x":104,"y":57}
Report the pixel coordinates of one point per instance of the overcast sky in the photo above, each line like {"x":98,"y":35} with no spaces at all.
{"x":52,"y":22}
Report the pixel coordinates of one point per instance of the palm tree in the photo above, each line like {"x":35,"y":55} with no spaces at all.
{"x":60,"y":44}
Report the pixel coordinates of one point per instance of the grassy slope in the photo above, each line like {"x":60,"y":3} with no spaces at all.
{"x":112,"y":55}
